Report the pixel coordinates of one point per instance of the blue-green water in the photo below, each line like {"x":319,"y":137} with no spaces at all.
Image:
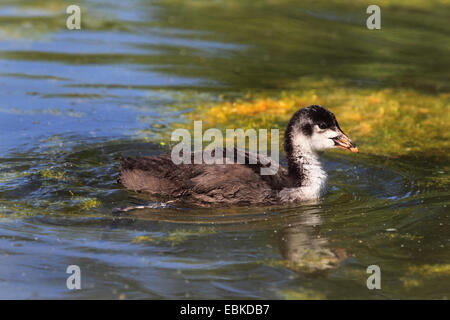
{"x":73,"y":102}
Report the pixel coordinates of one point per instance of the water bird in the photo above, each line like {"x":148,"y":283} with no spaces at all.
{"x":310,"y":132}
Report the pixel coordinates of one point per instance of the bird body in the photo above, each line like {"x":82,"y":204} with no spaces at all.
{"x":310,"y":131}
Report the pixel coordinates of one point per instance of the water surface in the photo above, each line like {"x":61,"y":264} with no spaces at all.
{"x":73,"y":102}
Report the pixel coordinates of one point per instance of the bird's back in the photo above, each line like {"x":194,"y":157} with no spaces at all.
{"x":205,"y":185}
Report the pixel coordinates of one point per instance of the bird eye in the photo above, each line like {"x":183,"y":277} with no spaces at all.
{"x":322,"y":126}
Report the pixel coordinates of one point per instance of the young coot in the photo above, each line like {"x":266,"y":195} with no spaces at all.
{"x":310,"y":131}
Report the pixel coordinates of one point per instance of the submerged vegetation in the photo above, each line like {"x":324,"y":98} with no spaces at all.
{"x":53,"y":174}
{"x":175,"y":237}
{"x":431,"y":270}
{"x":393,"y":122}
{"x":303,"y":294}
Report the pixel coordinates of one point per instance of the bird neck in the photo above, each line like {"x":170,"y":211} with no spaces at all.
{"x":307,"y":166}
{"x":304,"y":165}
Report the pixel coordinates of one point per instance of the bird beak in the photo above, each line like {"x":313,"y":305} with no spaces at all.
{"x":344,"y":142}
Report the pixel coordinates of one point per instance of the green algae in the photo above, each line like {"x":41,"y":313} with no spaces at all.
{"x":431,"y":271}
{"x":90,"y":203}
{"x":392,"y":122}
{"x":175,"y":237}
{"x":53,"y":174}
{"x":418,"y":276}
{"x":406,"y":236}
{"x":140,"y":239}
{"x":304,"y":294}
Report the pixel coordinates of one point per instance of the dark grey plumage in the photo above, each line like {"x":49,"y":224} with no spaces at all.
{"x":216,"y":185}
{"x":202,"y":184}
